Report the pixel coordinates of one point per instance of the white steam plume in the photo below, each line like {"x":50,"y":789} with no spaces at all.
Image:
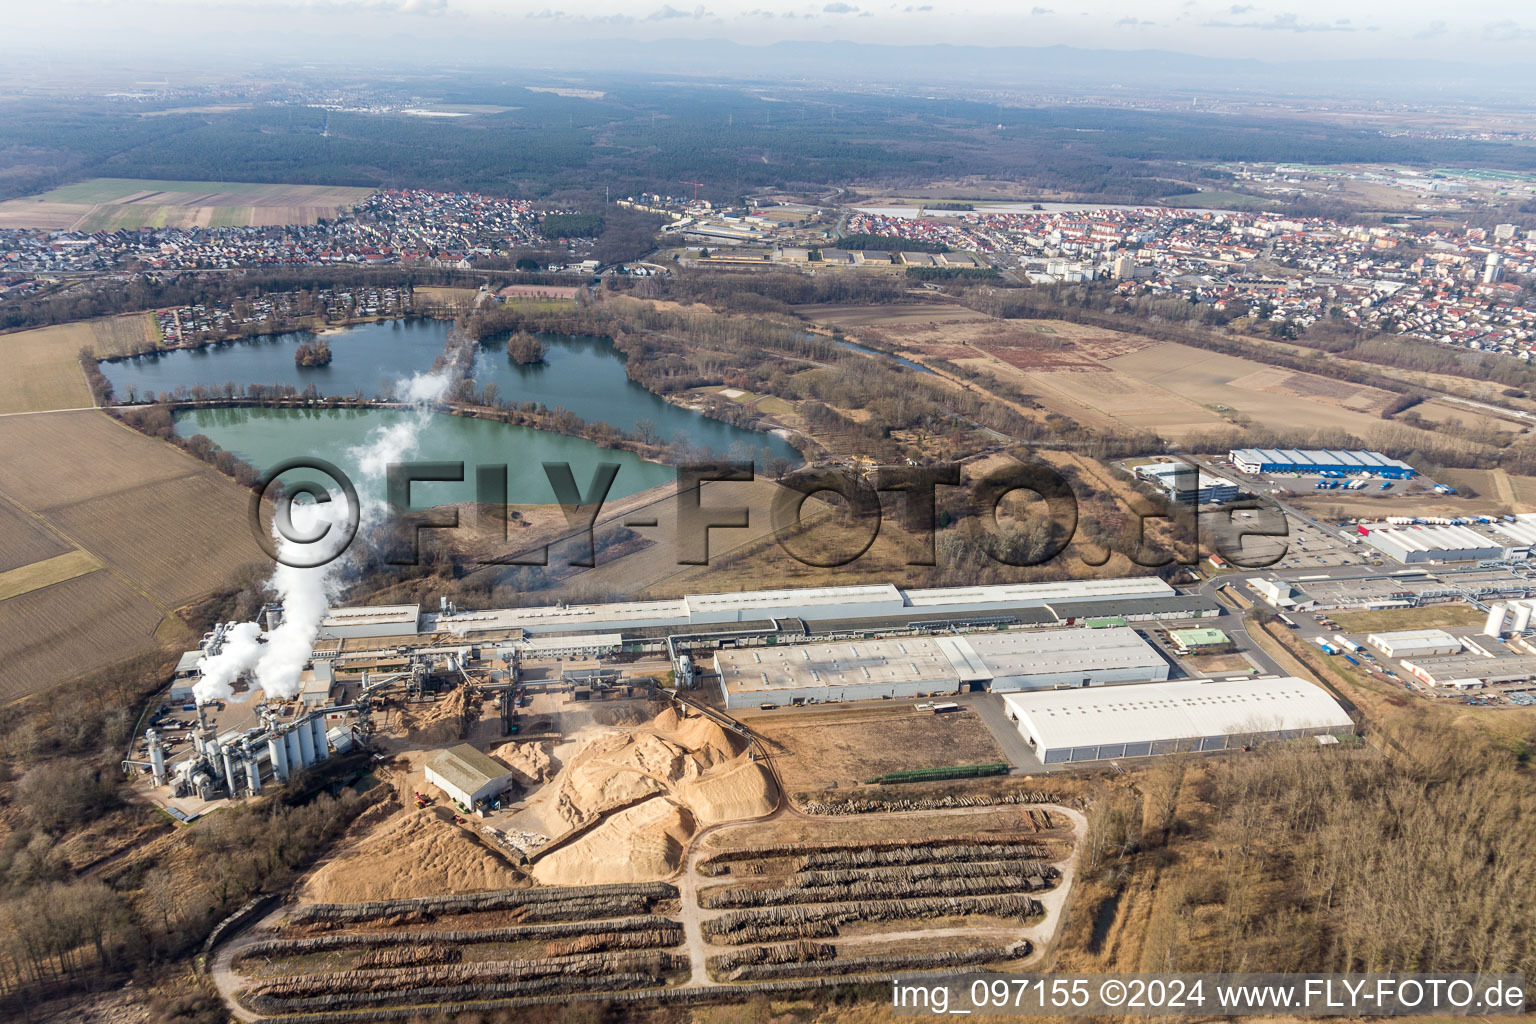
{"x":242,"y":647}
{"x":306,"y":594}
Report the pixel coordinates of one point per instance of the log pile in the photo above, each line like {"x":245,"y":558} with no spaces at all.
{"x":889,"y":851}
{"x":867,"y":889}
{"x":276,"y":948}
{"x":446,"y":982}
{"x":883,"y":963}
{"x":725,"y":964}
{"x":409,"y":956}
{"x":880,"y":805}
{"x":737,"y":927}
{"x":553,"y":904}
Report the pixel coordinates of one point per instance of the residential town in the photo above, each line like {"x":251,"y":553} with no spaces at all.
{"x":1465,"y":288}
{"x":449,"y":229}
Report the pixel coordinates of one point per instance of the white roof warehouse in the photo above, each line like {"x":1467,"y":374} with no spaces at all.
{"x":1170,"y":717}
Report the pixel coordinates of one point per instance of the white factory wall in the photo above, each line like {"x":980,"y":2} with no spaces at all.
{"x":1085,"y":677}
{"x":824,"y":694}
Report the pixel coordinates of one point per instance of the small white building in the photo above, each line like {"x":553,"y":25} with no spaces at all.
{"x":467,"y":776}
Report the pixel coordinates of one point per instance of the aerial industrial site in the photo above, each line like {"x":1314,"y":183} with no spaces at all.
{"x":791,"y":516}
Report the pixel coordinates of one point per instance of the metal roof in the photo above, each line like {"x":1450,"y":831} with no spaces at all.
{"x":846,"y":663}
{"x":1434,"y":538}
{"x":1185,"y":709}
{"x":1049,"y":651}
{"x":466,"y":768}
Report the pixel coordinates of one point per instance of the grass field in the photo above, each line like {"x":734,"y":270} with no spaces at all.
{"x":1216,"y":200}
{"x":46,"y":573}
{"x":44,"y":364}
{"x":105,"y":533}
{"x":113,"y":204}
{"x":1435,"y":616}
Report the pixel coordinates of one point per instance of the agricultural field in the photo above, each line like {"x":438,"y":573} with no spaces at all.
{"x":26,"y":539}
{"x":115,"y":204}
{"x":44,"y":364}
{"x":70,"y":628}
{"x":814,"y":748}
{"x":79,"y":491}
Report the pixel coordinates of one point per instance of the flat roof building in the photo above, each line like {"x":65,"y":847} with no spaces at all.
{"x":1290,"y":460}
{"x":814,"y":604}
{"x":1197,"y":641}
{"x":1171,"y":717}
{"x":1415,"y":643}
{"x":375,"y":620}
{"x":1045,"y":658}
{"x":1469,"y":670}
{"x":851,"y":670}
{"x":905,"y":667}
{"x":1186,"y":484}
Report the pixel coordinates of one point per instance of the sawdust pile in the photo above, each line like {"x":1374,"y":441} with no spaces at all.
{"x":532,"y":761}
{"x":660,"y":782}
{"x":443,"y":721}
{"x":642,"y":843}
{"x":413,"y":853}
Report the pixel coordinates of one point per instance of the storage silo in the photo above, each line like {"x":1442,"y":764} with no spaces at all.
{"x":316,"y":727}
{"x":1495,"y":624}
{"x":1522,"y":621}
{"x":277,"y":749}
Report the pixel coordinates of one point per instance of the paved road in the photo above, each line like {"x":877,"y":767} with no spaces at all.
{"x":989,"y":707}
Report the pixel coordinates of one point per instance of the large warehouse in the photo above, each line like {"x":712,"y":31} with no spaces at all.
{"x":907,"y":666}
{"x":1409,"y":544}
{"x":1289,"y":460}
{"x":1166,"y":718}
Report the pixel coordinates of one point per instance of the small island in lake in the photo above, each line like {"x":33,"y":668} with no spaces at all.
{"x":318,"y":354}
{"x":524,"y":349}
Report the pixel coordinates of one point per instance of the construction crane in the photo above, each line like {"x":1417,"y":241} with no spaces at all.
{"x":695,"y":185}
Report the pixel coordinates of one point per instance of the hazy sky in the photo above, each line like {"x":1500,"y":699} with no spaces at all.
{"x":1284,"y":29}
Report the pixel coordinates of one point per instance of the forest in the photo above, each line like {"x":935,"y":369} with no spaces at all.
{"x":640,"y":135}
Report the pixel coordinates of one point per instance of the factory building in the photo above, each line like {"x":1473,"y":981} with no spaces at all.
{"x":1469,"y":671}
{"x":872,"y":604}
{"x":1415,"y":643}
{"x":1186,"y":484}
{"x":1289,"y":460}
{"x":1408,"y":544}
{"x":1171,"y":717}
{"x":855,"y":670}
{"x":909,"y":666}
{"x":467,"y":776}
{"x":584,"y":645}
{"x":1042,"y":659}
{"x":378,"y":620}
